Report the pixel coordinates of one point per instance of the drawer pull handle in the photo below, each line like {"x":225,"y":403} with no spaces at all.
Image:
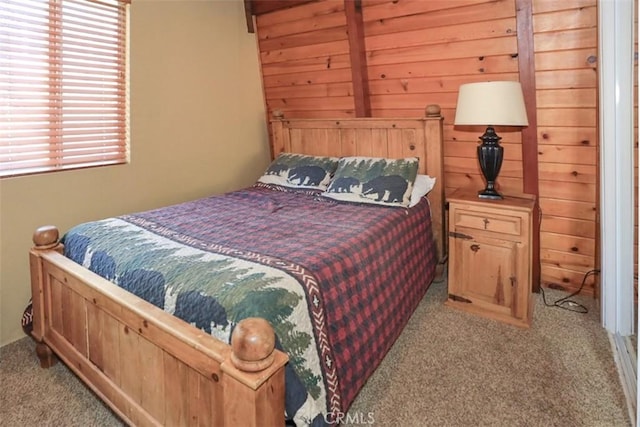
{"x":475,"y":248}
{"x":457,"y":235}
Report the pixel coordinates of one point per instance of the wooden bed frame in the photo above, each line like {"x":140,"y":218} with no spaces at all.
{"x":152,"y":368}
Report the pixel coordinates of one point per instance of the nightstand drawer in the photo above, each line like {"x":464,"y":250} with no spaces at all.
{"x":495,"y":223}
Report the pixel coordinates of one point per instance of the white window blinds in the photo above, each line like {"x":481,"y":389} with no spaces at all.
{"x":63,"y":84}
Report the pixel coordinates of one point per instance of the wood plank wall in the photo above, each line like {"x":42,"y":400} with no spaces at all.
{"x":565,"y":40}
{"x":306,"y":68}
{"x":419,"y":52}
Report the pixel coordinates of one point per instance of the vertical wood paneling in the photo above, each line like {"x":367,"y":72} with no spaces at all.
{"x":129,"y":378}
{"x":347,"y":142}
{"x":296,"y":144}
{"x":409,"y":142}
{"x":379,"y":140}
{"x":69,"y":316}
{"x":205,"y":403}
{"x":56,"y":301}
{"x":364,"y":139}
{"x":104,"y":342}
{"x":153,"y":381}
{"x":177,"y":391}
{"x":79,"y":322}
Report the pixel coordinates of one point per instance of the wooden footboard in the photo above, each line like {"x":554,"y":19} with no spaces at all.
{"x":149,"y":366}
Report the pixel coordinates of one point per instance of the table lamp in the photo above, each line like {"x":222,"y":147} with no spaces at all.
{"x":491,"y":104}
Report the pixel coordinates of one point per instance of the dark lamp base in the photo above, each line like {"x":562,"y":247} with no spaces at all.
{"x":489,"y":194}
{"x":490,"y":159}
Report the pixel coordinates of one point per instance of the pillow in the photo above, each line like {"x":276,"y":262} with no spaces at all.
{"x":376,"y":180}
{"x":421,"y":187}
{"x":300,"y":171}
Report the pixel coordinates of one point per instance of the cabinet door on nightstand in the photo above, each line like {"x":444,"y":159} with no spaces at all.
{"x":487,"y":274}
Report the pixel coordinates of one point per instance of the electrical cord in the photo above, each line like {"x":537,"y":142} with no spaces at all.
{"x":566,"y":303}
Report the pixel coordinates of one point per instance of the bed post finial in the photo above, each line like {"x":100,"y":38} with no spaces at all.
{"x":278,"y":114}
{"x":252,"y":345}
{"x":46,"y":237}
{"x":432,"y":110}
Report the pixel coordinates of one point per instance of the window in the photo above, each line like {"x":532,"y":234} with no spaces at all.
{"x":63,"y":85}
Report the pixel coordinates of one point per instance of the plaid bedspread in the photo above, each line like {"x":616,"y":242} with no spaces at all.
{"x":338,"y":281}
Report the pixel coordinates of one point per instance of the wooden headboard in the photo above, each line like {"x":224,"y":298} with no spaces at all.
{"x":373,"y":137}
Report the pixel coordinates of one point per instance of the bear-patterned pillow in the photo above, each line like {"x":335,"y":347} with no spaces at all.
{"x":374,"y":180}
{"x":300,"y":171}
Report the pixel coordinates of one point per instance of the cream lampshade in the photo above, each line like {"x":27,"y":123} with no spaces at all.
{"x":491,"y":104}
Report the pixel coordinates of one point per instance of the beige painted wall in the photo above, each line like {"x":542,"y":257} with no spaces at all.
{"x":197,"y":128}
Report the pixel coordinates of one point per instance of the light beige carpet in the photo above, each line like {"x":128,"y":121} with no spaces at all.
{"x":448,"y":368}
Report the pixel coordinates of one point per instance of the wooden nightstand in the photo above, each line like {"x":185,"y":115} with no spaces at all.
{"x":490,"y":256}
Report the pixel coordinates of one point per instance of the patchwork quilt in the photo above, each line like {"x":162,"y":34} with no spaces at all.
{"x":338,"y":281}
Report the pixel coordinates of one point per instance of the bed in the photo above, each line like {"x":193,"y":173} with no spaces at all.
{"x":349,"y":288}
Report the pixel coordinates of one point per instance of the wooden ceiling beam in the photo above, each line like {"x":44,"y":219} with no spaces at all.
{"x":358,"y":56}
{"x":259,"y":7}
{"x":526,"y":65}
{"x":248,"y":14}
